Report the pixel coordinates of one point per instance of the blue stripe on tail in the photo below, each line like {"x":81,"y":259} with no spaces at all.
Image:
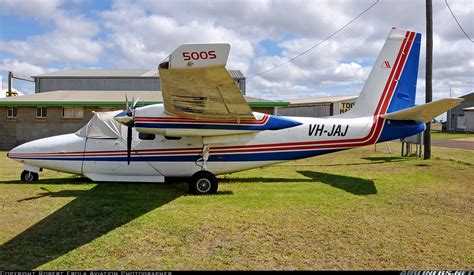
{"x":404,"y":96}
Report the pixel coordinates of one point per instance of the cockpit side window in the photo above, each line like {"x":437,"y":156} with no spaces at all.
{"x":144,"y":136}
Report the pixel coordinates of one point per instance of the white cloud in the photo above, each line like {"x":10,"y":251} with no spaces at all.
{"x":39,"y":9}
{"x":70,"y":42}
{"x":140,"y":34}
{"x":22,"y":68}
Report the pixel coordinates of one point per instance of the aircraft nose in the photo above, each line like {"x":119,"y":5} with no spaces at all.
{"x":20,"y":150}
{"x":123,"y":118}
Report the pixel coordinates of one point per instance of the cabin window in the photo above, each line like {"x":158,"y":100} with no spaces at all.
{"x":144,"y":136}
{"x":172,"y":138}
{"x":73,"y":112}
{"x":41,"y":112}
{"x":11,"y":112}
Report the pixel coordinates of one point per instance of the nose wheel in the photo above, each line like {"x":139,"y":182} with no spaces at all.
{"x":29,"y":176}
{"x":203,"y":183}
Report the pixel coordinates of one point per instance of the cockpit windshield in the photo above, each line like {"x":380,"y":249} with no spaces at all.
{"x":102,"y":125}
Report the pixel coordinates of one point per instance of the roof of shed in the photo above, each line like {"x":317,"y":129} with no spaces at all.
{"x":106,"y":98}
{"x":236,"y":74}
{"x":320,"y":100}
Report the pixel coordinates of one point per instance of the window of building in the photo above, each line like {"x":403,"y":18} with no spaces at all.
{"x":11,"y":112}
{"x":41,"y":112}
{"x":144,"y":136}
{"x":73,"y":112}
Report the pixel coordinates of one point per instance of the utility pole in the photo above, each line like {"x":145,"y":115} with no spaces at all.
{"x":428,"y":78}
{"x":10,"y":76}
{"x":448,"y":115}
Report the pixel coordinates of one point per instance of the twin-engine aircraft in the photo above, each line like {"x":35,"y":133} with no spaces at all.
{"x":205,"y":127}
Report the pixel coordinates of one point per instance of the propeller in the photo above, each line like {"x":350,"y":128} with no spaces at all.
{"x":130,"y":112}
{"x":129,"y":143}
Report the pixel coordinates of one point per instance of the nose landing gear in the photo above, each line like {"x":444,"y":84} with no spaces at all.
{"x":29,"y":176}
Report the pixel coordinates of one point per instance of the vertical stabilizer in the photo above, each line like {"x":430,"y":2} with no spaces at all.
{"x":391,"y":85}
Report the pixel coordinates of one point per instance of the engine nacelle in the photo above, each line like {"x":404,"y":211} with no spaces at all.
{"x":152,"y":119}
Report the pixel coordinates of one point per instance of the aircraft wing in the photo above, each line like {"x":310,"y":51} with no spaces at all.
{"x":196,"y":85}
{"x":425,"y":112}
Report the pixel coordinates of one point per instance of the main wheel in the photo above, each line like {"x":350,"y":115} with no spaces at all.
{"x":29,"y":176}
{"x":203,"y":183}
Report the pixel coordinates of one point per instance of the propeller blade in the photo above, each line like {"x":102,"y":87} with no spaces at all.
{"x":129,"y":143}
{"x":134,"y":105}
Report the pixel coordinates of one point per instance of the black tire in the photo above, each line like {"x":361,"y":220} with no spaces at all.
{"x":203,"y":183}
{"x":29,"y":176}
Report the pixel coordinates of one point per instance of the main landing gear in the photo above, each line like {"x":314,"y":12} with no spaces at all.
{"x":203,"y":182}
{"x":29,"y":176}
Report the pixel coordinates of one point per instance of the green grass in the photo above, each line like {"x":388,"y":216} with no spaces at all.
{"x":450,"y":135}
{"x":356,"y":209}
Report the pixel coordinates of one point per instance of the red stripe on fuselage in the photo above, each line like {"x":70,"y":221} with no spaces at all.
{"x":263,"y":120}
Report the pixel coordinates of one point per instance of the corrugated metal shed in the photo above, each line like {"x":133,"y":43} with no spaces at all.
{"x":101,"y":73}
{"x":237,"y":75}
{"x":319,"y":106}
{"x":455,"y":116}
{"x":109,"y":80}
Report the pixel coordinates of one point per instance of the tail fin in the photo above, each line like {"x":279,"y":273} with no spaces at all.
{"x":391,"y":85}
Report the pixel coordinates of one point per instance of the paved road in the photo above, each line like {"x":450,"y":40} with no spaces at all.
{"x":462,"y":143}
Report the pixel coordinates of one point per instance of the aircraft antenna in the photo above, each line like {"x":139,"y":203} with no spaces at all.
{"x":317,"y":44}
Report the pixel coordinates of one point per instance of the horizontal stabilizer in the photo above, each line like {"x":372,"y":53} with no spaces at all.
{"x":425,"y":112}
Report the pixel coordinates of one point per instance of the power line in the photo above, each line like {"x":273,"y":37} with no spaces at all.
{"x":21,"y":78}
{"x":455,"y":19}
{"x":316,"y":45}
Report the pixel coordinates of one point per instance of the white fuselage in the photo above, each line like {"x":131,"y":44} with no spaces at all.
{"x":152,"y":160}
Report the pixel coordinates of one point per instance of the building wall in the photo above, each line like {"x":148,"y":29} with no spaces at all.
{"x":265,"y":110}
{"x":456,"y":114}
{"x":306,"y":110}
{"x":343,"y":106}
{"x":48,"y":84}
{"x":469,"y":115}
{"x":26,"y":127}
{"x":317,"y":109}
{"x":241,"y":84}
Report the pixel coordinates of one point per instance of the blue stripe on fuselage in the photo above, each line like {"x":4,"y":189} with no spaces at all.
{"x":265,"y":156}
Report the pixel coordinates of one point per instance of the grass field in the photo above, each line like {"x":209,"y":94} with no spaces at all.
{"x":356,"y":209}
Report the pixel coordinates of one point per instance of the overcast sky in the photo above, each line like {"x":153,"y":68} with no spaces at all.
{"x":38,"y":36}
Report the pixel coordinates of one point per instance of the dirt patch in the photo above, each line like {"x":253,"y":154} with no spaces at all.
{"x":470,"y":139}
{"x":464,"y":143}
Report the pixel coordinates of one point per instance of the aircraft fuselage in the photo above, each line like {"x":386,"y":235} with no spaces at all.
{"x":156,"y":157}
